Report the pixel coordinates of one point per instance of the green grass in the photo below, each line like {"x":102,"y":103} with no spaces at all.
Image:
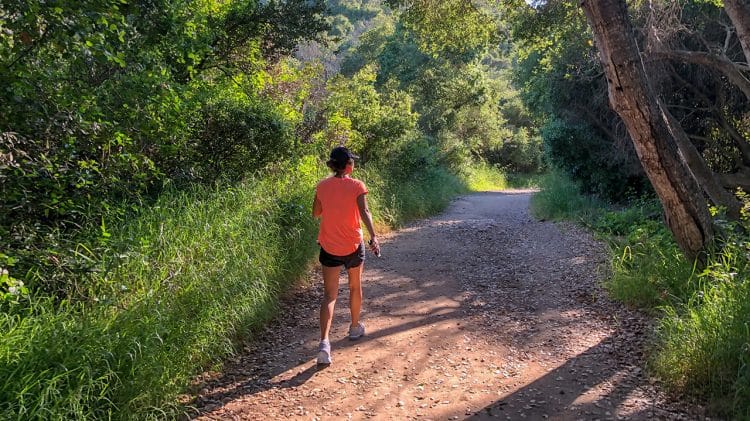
{"x":394,"y":202}
{"x":560,"y":198}
{"x":703,"y":339}
{"x":190,"y":275}
{"x":648,"y":269}
{"x":705,"y":342}
{"x":483,"y":177}
{"x":524,"y":181}
{"x":179,"y":284}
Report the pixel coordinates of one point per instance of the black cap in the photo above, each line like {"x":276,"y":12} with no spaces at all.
{"x":342,"y":155}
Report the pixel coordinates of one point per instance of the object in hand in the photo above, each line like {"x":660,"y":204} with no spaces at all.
{"x":375,"y":249}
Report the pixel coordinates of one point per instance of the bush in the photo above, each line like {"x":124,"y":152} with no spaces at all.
{"x":236,"y":138}
{"x":411,"y":184}
{"x":593,"y":162}
{"x":519,"y":153}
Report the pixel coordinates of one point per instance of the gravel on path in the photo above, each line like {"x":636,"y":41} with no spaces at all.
{"x":479,"y":313}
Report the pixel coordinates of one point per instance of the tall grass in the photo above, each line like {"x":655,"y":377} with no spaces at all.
{"x":703,"y":337}
{"x":705,"y":342}
{"x":180,"y":283}
{"x":524,"y":181}
{"x":483,"y":177}
{"x":648,"y":269}
{"x":189,"y":275}
{"x":561,"y":198}
{"x":395,"y":201}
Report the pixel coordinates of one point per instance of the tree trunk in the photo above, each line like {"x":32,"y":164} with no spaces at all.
{"x":697,"y":166}
{"x":739,"y":13}
{"x":631,"y":97}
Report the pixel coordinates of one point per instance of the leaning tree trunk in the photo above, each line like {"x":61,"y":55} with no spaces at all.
{"x":703,"y":175}
{"x":685,"y":208}
{"x":739,"y":14}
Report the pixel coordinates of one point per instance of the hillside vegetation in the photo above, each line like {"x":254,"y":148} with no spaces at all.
{"x":158,"y":161}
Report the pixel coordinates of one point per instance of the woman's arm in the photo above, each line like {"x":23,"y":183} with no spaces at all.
{"x":317,"y":208}
{"x":364,"y":212}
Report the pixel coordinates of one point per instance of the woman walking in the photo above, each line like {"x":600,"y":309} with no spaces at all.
{"x":341,"y":204}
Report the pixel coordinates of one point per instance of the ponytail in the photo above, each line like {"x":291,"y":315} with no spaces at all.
{"x":336,"y":166}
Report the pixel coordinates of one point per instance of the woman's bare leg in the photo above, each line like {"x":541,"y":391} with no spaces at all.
{"x":331,"y":291}
{"x":355,"y":292}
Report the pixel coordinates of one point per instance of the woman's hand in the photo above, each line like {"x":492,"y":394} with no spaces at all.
{"x":374,"y":246}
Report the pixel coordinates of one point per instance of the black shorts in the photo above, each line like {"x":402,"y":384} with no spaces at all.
{"x":349,"y":261}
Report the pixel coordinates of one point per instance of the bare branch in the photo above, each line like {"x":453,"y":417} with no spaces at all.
{"x":739,"y":179}
{"x":717,"y":111}
{"x":731,"y":70}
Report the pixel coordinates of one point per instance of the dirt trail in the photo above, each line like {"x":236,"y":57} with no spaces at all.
{"x":478,"y":313}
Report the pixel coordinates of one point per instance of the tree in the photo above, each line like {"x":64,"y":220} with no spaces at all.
{"x":562,"y":81}
{"x":700,"y":46}
{"x":103,"y":101}
{"x":457,"y":30}
{"x":650,"y":126}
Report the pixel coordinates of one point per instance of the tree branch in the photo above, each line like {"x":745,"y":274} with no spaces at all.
{"x":731,"y":70}
{"x":735,"y":135}
{"x":732,"y":181}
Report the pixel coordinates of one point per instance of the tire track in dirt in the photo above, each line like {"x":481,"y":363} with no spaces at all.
{"x":478,"y":313}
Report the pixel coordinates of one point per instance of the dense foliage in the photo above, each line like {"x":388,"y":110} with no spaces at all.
{"x":152,"y":150}
{"x":692,"y":59}
{"x":461,"y":91}
{"x":102,"y":102}
{"x":157,"y":161}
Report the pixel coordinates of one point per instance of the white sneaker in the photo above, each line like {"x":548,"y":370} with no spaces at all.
{"x":324,"y":352}
{"x":356,"y":332}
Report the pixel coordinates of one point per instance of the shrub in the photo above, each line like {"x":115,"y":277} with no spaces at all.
{"x":236,"y":138}
{"x":593,"y":162}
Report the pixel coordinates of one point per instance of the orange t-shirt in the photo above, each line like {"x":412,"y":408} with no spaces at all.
{"x":340,"y":230}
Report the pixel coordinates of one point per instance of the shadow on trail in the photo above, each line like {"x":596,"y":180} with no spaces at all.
{"x":436,"y":293}
{"x":262,"y":379}
{"x":281,"y":349}
{"x":548,"y":397}
{"x":303,"y":376}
